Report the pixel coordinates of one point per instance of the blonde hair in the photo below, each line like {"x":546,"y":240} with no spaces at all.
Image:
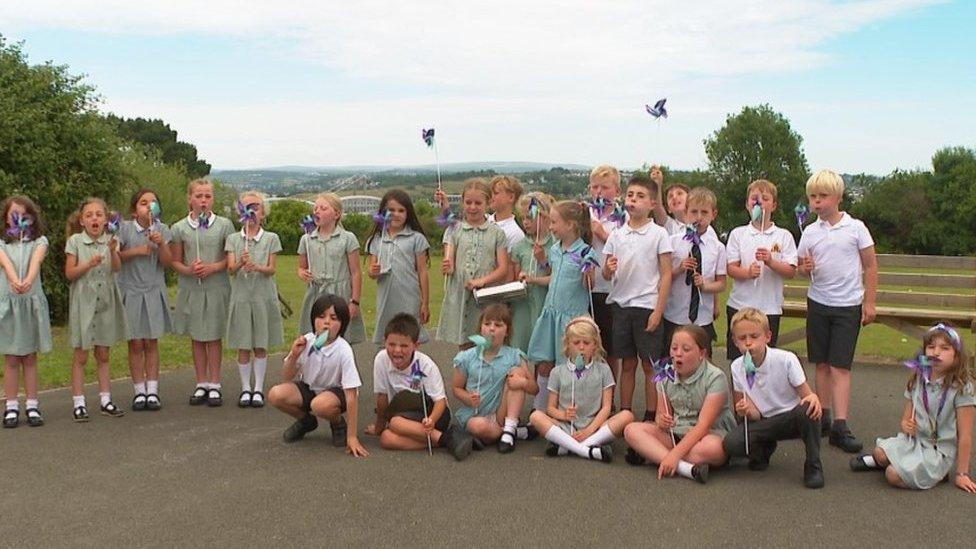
{"x":506,"y":183}
{"x":544,"y":201}
{"x":578,"y":215}
{"x":763,"y":186}
{"x":197,"y":183}
{"x":702,"y":195}
{"x":826,"y":181}
{"x":606,"y":171}
{"x":263,"y":198}
{"x":583,"y":327}
{"x":333,"y":200}
{"x":750,"y":314}
{"x":73,"y":225}
{"x":479,"y":184}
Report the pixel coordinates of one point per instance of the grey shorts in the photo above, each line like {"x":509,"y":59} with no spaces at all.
{"x":630,"y":336}
{"x":832,"y":334}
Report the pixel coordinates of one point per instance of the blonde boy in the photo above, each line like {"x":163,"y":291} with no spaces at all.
{"x":505,"y":193}
{"x":604,"y":184}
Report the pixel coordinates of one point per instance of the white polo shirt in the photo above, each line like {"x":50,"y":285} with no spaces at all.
{"x":638,"y":278}
{"x":774,"y":389}
{"x":601,"y":286}
{"x":390,"y":380}
{"x":331,"y":366}
{"x":513,"y":231}
{"x":837,"y":269}
{"x":673,"y":227}
{"x":766,"y":294}
{"x":713,"y":264}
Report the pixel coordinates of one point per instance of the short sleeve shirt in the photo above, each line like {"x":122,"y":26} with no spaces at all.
{"x":637,"y":281}
{"x":513,"y":231}
{"x":390,"y":380}
{"x":714,"y":264}
{"x":774,"y":389}
{"x":587,"y":389}
{"x":766,"y":294}
{"x":331,"y":366}
{"x":687,"y":396}
{"x":837,"y":270}
{"x":142,"y":273}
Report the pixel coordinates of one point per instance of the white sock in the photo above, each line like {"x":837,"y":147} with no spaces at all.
{"x":562,"y":438}
{"x":32,"y":403}
{"x":542,"y":398}
{"x":508,"y":431}
{"x":602,"y":436}
{"x":13,"y":404}
{"x":522,"y":433}
{"x":213,"y":386}
{"x":260,"y":367}
{"x":152,"y":387}
{"x":105,"y":398}
{"x":684,"y":469}
{"x":140,"y":388}
{"x":562,"y":451}
{"x":202,"y":385}
{"x":78,"y":400}
{"x":868,"y":459}
{"x":245,"y":370}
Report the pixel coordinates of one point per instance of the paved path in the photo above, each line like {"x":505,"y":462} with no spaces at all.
{"x":220,"y":477}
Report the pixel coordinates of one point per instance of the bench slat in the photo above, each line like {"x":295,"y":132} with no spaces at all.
{"x":897,"y":297}
{"x":927,"y":262}
{"x":966,"y":319}
{"x":928,"y":280}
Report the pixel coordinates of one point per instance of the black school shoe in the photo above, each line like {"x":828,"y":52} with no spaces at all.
{"x":761,"y":462}
{"x":214,"y":398}
{"x":112,"y":410}
{"x":139,"y":403}
{"x":339,"y":432}
{"x":198,"y":397}
{"x":300,"y":428}
{"x":152,"y":402}
{"x":845,"y":440}
{"x":633,"y":458}
{"x":34,"y":417}
{"x":606,"y":453}
{"x":11,"y":418}
{"x":813,"y":476}
{"x":80,"y":414}
{"x":457,"y":442}
{"x":552,"y":450}
{"x":858,"y":466}
{"x":700,"y":472}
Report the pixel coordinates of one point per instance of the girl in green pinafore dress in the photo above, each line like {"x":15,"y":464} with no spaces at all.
{"x":25,"y":323}
{"x":534,"y":209}
{"x":475,"y":256}
{"x":328,"y":261}
{"x":937,"y":421}
{"x":145,"y":253}
{"x":398,"y":263}
{"x":254,"y":319}
{"x":96,"y":317}
{"x":203,"y":294}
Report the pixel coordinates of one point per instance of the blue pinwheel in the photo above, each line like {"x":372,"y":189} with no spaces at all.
{"x":203,"y":221}
{"x":428,"y":136}
{"x":802,"y":212}
{"x":417,"y":375}
{"x":533,"y":208}
{"x":618,"y":215}
{"x":20,"y":226}
{"x":155,"y":212}
{"x":922,"y":364}
{"x":114,"y":224}
{"x":447,"y":218}
{"x":382,"y":218}
{"x":598,"y":204}
{"x":320,"y":341}
{"x":750,"y":367}
{"x":658,"y":110}
{"x":580,"y":366}
{"x":757,"y":211}
{"x":247,"y":213}
{"x":691,"y":234}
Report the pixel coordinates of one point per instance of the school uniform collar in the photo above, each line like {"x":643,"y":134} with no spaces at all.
{"x":255,"y":238}
{"x":406,"y":371}
{"x":845,"y":219}
{"x":465,"y":226}
{"x":753,"y":231}
{"x":693,"y":378}
{"x":572,"y":366}
{"x":87,"y":239}
{"x":192,"y":220}
{"x":641,"y":231}
{"x":406,"y":231}
{"x":575,"y":247}
{"x":318,"y":236}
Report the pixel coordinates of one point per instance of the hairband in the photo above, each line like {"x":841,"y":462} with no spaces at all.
{"x":584,"y":320}
{"x":949,"y":331}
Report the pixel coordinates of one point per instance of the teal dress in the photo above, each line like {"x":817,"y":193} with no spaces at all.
{"x":567,"y":299}
{"x":328,"y":258}
{"x":95,"y":313}
{"x":254,"y":317}
{"x":491,"y":374}
{"x":202,"y":304}
{"x":525,"y":311}
{"x":25,"y":320}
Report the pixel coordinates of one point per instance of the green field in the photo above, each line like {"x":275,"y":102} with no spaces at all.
{"x":876,"y":341}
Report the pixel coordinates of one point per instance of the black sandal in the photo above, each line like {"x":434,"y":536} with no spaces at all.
{"x":152,"y":402}
{"x":139,"y":403}
{"x":34,"y":417}
{"x":11,"y":418}
{"x":214,"y":398}
{"x":198,"y":397}
{"x":112,"y":410}
{"x":80,"y":414}
{"x":257,"y":399}
{"x":244,"y":401}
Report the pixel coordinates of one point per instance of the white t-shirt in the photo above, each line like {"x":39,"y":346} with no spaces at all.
{"x":837,"y":269}
{"x":637,"y":282}
{"x":331,"y":366}
{"x":774,"y":389}
{"x":513,"y":232}
{"x":390,"y":380}
{"x":601,"y":286}
{"x":713,"y":265}
{"x":766,"y":294}
{"x":673,"y":227}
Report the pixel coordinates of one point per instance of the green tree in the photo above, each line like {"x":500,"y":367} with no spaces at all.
{"x":54,"y":148}
{"x":157,"y":134}
{"x":284,"y":219}
{"x":757,"y":143}
{"x":886,"y":206}
{"x":953,"y":198}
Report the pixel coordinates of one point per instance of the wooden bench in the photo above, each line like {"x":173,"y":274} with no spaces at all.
{"x":949,"y":296}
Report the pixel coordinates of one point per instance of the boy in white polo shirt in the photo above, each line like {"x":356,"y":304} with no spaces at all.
{"x":604,"y":189}
{"x":698,"y":269}
{"x":837,"y":253}
{"x":637,"y":262}
{"x":505,"y":193}
{"x":411,"y":405}
{"x":770,"y":389}
{"x":761,"y":255}
{"x":321,"y":380}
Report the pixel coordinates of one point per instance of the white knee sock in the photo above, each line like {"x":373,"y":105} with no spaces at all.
{"x":139,"y":388}
{"x":105,"y":398}
{"x":260,"y":367}
{"x":152,"y":387}
{"x":562,"y":438}
{"x":602,"y":436}
{"x":508,"y":431}
{"x":13,"y":404}
{"x":245,"y":370}
{"x":684,"y":469}
{"x":78,"y":400}
{"x":542,"y":398}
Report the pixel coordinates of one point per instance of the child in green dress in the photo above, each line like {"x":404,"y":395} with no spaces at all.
{"x":96,"y":316}
{"x":203,"y":296}
{"x":328,"y":261}
{"x":25,"y":323}
{"x":534,"y":209}
{"x":254,"y":319}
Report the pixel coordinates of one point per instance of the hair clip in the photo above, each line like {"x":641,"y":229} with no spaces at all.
{"x":949,"y":331}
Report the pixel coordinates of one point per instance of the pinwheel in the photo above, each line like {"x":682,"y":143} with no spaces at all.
{"x":664,"y":372}
{"x":481,"y":343}
{"x":20,"y":228}
{"x":657,"y":111}
{"x":417,"y":376}
{"x":428,"y":136}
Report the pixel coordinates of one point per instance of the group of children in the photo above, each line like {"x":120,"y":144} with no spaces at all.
{"x":615,"y":279}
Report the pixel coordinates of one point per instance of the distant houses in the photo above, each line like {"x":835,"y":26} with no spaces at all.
{"x":362,"y":204}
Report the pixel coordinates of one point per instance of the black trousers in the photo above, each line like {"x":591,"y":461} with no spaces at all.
{"x":786,"y":426}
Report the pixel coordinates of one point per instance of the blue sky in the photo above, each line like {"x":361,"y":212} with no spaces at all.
{"x":871,"y":85}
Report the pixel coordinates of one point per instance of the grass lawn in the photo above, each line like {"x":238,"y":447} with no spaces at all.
{"x":55,"y":368}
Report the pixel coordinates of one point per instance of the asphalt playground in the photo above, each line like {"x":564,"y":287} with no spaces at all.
{"x":197,"y":476}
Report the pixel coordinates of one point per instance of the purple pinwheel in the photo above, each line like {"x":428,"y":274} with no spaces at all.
{"x":428,"y":136}
{"x":533,"y":208}
{"x":203,"y":221}
{"x":114,"y":224}
{"x":584,"y":259}
{"x":246,"y":212}
{"x":447,"y":218}
{"x":663,"y":370}
{"x":922,"y":364}
{"x":598,"y":204}
{"x":691,"y":234}
{"x":580,"y":366}
{"x":382,"y":218}
{"x":20,"y":226}
{"x":309,"y":224}
{"x":750,"y":367}
{"x":618,"y":215}
{"x":416,"y":375}
{"x":658,"y":110}
{"x":802,"y":213}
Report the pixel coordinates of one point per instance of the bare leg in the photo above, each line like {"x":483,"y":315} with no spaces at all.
{"x":393,"y":441}
{"x":824,"y":392}
{"x":30,"y":375}
{"x":413,"y":430}
{"x":880,"y":457}
{"x":650,"y":391}
{"x":893,"y":479}
{"x":137,"y":360}
{"x":200,"y":360}
{"x":104,"y":369}
{"x":78,"y":362}
{"x":11,"y":376}
{"x":484,"y":430}
{"x":327,"y":406}
{"x":152,"y":359}
{"x":648,"y":440}
{"x":840,"y":393}
{"x":286,"y":398}
{"x":214,"y":348}
{"x":708,"y":450}
{"x":628,"y":379}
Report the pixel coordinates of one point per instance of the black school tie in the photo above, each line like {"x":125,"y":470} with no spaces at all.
{"x":690,"y":280}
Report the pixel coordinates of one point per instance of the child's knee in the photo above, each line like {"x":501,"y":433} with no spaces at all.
{"x":137,"y":346}
{"x":325,"y":408}
{"x":388,"y":440}
{"x":538,"y":417}
{"x":893,"y":478}
{"x":624,"y":418}
{"x":880,"y":456}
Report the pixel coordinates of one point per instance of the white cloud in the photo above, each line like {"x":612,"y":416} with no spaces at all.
{"x":506,"y":77}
